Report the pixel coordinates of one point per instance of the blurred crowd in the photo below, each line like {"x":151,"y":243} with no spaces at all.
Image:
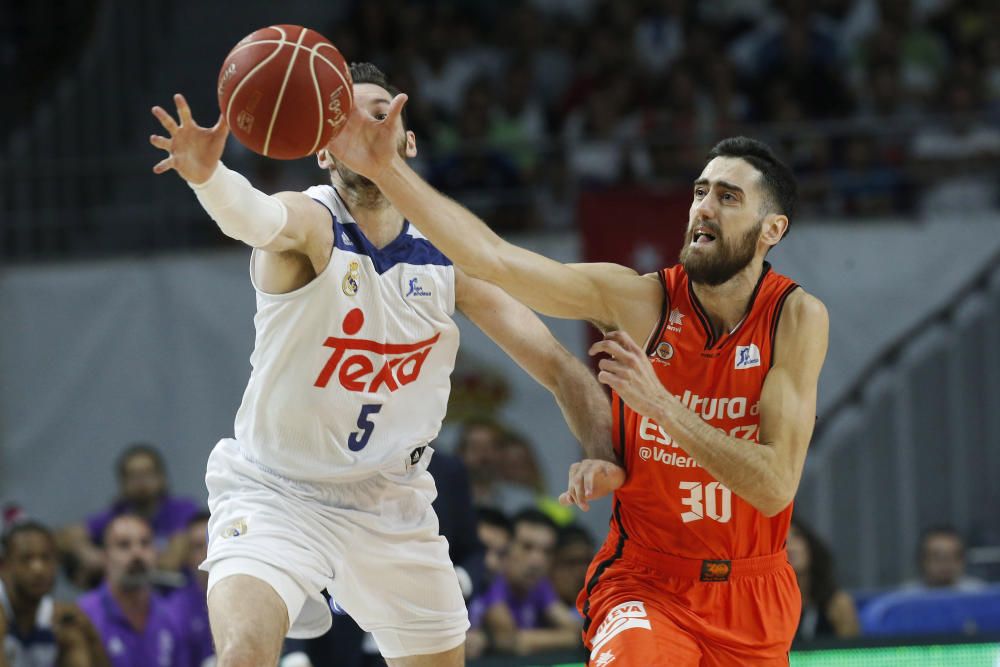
{"x":520,"y":557}
{"x":881,"y":107}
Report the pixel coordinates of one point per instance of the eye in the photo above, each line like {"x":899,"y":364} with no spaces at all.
{"x":728,"y":196}
{"x":699,"y":192}
{"x":381,"y":116}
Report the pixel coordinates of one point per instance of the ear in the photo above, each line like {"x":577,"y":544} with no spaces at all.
{"x":411,"y":144}
{"x":323,"y":159}
{"x":773,"y":229}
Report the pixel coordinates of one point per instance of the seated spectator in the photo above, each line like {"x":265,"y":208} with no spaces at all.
{"x":136,"y":626}
{"x":479,"y":446}
{"x":827,"y":611}
{"x":574,"y":551}
{"x":36,"y":631}
{"x":519,"y":468}
{"x":142,"y":488}
{"x":941,"y":559}
{"x":189,"y":605}
{"x":495,"y":532}
{"x":523,"y":614}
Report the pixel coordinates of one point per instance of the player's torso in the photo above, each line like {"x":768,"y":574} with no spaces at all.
{"x":351,"y":372}
{"x":670,"y":503}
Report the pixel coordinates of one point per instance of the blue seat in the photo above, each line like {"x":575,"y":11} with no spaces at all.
{"x":933,"y":612}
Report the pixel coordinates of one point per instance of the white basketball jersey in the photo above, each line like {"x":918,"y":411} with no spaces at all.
{"x":351,"y":372}
{"x":40,"y":649}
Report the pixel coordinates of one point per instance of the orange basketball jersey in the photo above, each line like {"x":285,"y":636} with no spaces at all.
{"x":669,"y":503}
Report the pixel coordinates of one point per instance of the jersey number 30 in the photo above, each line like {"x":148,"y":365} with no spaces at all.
{"x":712,"y":500}
{"x":359,"y":439}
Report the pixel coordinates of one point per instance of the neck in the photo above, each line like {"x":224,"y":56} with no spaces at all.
{"x":25,"y":609}
{"x":131,"y":600}
{"x":378,"y":219}
{"x":146,"y":509}
{"x":726,"y":305}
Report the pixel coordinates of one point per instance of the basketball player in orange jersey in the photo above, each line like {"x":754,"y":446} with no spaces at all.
{"x":325,"y":485}
{"x":714,"y":411}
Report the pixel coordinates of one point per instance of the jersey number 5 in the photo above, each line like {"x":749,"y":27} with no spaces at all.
{"x":358,"y":440}
{"x":713,"y":500}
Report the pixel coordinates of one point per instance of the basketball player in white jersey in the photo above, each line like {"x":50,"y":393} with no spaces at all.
{"x":325,"y":484}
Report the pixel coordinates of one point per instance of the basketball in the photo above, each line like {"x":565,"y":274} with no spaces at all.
{"x":285,"y":91}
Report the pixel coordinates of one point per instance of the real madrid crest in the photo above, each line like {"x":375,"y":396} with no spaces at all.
{"x":352,"y":279}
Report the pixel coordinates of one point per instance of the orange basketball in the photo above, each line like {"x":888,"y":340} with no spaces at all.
{"x":285,"y":91}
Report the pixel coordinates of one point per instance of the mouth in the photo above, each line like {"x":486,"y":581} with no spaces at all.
{"x":702,"y":237}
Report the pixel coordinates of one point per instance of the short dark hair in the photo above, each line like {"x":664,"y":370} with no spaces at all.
{"x":945,"y":530}
{"x":781,"y":190}
{"x":201,"y":517}
{"x":574,"y":533}
{"x":19,"y":528}
{"x":536,"y":517}
{"x":477,"y":422}
{"x":370,"y":73}
{"x":491,"y":516}
{"x":140,"y":449}
{"x":119,"y":517}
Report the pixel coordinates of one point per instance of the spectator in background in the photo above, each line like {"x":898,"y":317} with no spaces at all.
{"x":142,"y":490}
{"x":575,"y":549}
{"x":136,"y":626}
{"x":827,"y":611}
{"x":519,"y":467}
{"x":36,"y":631}
{"x":479,"y":446}
{"x":495,"y":532}
{"x":941,"y":558}
{"x":523,"y":614}
{"x":189,"y":605}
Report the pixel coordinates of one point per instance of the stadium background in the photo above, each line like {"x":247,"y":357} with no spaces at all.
{"x":574,"y":127}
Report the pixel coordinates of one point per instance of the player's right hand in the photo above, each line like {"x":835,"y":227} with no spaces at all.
{"x":194,"y":151}
{"x":591,"y":479}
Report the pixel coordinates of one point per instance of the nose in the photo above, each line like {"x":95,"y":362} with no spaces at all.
{"x":705,"y":209}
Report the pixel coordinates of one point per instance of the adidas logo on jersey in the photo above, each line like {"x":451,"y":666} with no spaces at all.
{"x":353,"y":360}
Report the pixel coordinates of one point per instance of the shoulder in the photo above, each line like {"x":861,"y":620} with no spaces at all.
{"x":803,"y":314}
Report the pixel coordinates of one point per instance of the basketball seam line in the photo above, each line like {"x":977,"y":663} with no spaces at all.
{"x":294,"y":46}
{"x":249,"y":75}
{"x":281,"y":93}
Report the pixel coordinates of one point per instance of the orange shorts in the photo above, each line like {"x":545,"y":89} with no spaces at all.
{"x":643,"y":608}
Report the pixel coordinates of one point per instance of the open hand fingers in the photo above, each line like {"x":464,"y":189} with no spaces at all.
{"x":396,"y":108}
{"x":160,"y":142}
{"x":164,"y":165}
{"x":166,"y":120}
{"x":183,"y":110}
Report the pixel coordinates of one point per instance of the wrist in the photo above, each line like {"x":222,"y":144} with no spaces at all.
{"x":211,"y":177}
{"x":394,"y":170}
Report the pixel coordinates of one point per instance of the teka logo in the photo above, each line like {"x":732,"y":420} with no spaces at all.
{"x":747,"y":356}
{"x":401,"y":362}
{"x":415,"y":288}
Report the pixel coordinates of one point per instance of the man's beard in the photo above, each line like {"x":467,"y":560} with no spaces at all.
{"x":136,"y":576}
{"x":362,"y":191}
{"x":717,"y":266}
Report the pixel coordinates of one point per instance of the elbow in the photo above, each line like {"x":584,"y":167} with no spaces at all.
{"x":775,"y":503}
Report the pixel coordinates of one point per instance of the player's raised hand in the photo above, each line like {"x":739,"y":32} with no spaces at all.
{"x":591,"y":479}
{"x":367,"y":144}
{"x":194,"y":151}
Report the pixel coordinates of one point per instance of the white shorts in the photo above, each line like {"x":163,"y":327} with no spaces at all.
{"x":373,"y":544}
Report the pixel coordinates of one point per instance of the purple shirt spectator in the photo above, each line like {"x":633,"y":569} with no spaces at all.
{"x":189,"y":607}
{"x":161,"y":643}
{"x":172,"y":516}
{"x":528,"y":612}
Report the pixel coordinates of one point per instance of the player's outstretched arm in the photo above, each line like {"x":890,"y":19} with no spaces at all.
{"x":607,"y":295}
{"x":527,"y":340}
{"x":286,"y":222}
{"x":765,"y":475}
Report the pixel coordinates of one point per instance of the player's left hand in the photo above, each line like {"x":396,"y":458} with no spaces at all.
{"x":366,"y":144}
{"x":629,"y":372}
{"x":591,"y":479}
